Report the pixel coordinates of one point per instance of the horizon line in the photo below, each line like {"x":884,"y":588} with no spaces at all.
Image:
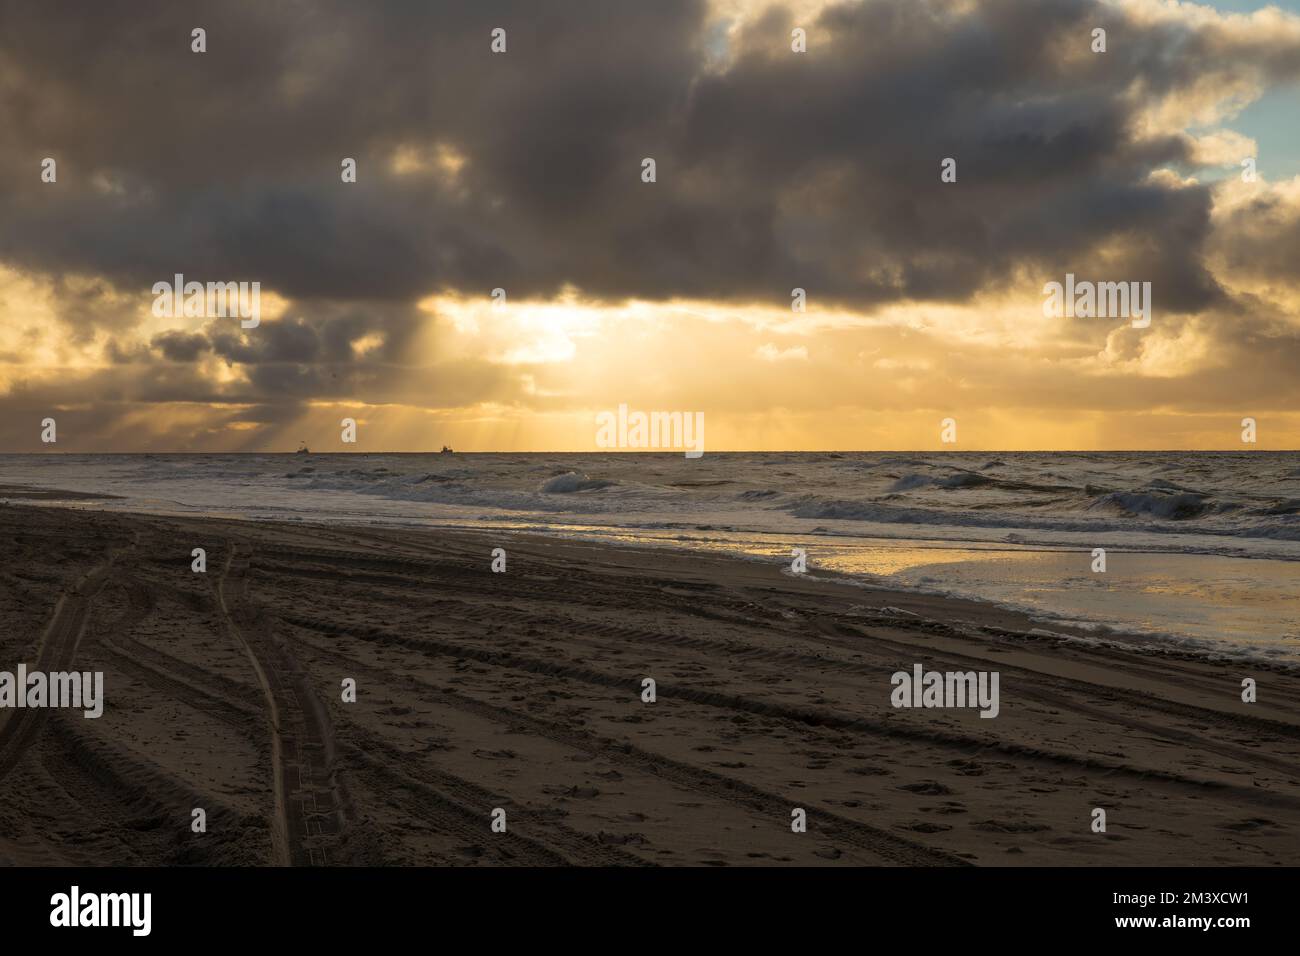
{"x":678,"y":452}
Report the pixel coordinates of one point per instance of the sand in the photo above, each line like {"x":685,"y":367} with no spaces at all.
{"x":522,"y":692}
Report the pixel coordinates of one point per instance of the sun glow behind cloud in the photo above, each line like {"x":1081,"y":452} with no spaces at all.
{"x":766,"y":377}
{"x":921,"y":304}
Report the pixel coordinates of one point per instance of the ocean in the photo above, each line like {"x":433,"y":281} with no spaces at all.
{"x":1201,"y":548}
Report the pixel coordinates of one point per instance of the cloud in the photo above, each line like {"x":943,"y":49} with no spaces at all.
{"x":180,"y":346}
{"x":770,"y":353}
{"x":518,"y":170}
{"x":776,"y":169}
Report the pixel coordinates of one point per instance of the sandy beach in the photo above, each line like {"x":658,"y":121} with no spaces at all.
{"x":523,"y":691}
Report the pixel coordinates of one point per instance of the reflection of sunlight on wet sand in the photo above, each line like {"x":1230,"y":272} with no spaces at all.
{"x":1206,"y":597}
{"x":1174,"y":588}
{"x":885,"y":562}
{"x":1222,"y":592}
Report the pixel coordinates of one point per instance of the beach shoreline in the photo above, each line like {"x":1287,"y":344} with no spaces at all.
{"x":1191,"y":549}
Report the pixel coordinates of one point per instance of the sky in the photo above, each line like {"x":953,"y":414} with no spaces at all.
{"x":523,"y":171}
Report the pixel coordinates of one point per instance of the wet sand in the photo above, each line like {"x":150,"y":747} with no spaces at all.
{"x":523,"y":691}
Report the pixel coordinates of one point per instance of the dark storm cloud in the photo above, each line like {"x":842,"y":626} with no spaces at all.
{"x":1260,"y":239}
{"x":319,"y":350}
{"x":227,"y":163}
{"x":321,"y":331}
{"x":819,"y":170}
{"x":180,"y":346}
{"x":852,"y":135}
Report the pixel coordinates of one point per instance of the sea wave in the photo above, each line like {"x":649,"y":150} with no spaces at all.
{"x":571,"y":482}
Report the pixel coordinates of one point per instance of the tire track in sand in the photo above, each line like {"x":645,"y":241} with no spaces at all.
{"x":889,"y":847}
{"x":312,"y":812}
{"x":965,"y":743}
{"x":56,"y":652}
